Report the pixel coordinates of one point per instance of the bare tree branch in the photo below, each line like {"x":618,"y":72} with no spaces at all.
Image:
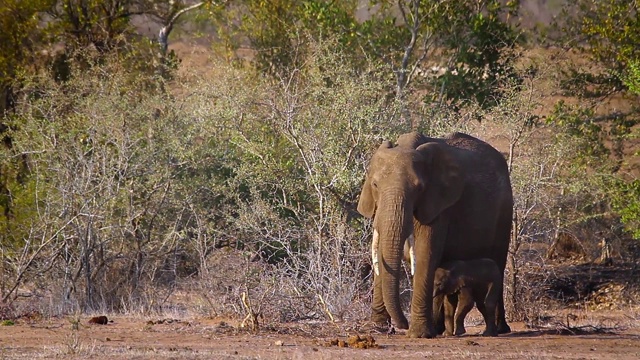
{"x":163,"y":35}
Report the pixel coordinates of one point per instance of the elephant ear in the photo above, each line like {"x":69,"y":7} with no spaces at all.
{"x":444,"y":181}
{"x":367,"y":203}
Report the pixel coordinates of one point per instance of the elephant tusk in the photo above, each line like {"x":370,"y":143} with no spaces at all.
{"x":412,"y":253}
{"x":374,"y":252}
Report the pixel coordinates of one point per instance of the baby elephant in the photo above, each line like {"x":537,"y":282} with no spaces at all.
{"x":466,"y":282}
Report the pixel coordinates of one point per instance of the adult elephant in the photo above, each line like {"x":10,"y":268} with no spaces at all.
{"x":452,"y":198}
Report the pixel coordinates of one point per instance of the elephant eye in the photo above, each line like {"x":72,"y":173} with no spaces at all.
{"x":374,"y":184}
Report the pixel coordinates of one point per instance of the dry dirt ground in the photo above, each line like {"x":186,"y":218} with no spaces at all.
{"x":593,"y":336}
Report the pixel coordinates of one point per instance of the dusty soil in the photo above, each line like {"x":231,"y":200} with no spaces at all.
{"x":601,"y":336}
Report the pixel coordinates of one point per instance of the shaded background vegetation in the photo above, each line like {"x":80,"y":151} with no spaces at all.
{"x":132,"y":179}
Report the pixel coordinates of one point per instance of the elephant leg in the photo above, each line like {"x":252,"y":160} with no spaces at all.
{"x":490,"y":305}
{"x":488,"y":311}
{"x":449,"y":314}
{"x":490,"y":321}
{"x":503,"y":327}
{"x":439,"y":322}
{"x":465,"y":304}
{"x":438,"y":314}
{"x":503,"y":236}
{"x":379,"y":314}
{"x":429,"y":241}
{"x":481,"y":308}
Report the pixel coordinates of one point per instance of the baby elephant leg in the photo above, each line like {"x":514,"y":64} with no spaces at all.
{"x":450,"y":302}
{"x":489,"y":310}
{"x":465,"y":304}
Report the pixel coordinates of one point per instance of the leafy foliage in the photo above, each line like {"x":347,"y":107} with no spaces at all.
{"x":19,"y":35}
{"x":468,"y":38}
{"x":627,"y":199}
{"x":478,"y":42}
{"x":626,"y":203}
{"x":606,"y":31}
{"x":611,"y":28}
{"x":609,"y":32}
{"x":631,"y":78}
{"x":134,"y":183}
{"x":87,"y":165}
{"x":91,"y":22}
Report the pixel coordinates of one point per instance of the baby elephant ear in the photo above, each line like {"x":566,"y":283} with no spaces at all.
{"x":444,"y":181}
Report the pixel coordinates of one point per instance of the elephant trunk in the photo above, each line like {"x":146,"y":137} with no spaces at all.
{"x":394,"y":226}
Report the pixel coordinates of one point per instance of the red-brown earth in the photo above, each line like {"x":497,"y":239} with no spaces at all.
{"x":575,"y":335}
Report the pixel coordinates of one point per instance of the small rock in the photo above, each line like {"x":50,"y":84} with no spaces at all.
{"x":100,"y":320}
{"x":279,"y":343}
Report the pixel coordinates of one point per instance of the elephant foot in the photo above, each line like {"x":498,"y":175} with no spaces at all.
{"x":419,"y":329}
{"x":488,"y":332}
{"x":403,"y":324}
{"x":447,"y":333}
{"x":382,"y":321}
{"x":440,"y":327}
{"x":503,"y":328}
{"x":460,"y":331}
